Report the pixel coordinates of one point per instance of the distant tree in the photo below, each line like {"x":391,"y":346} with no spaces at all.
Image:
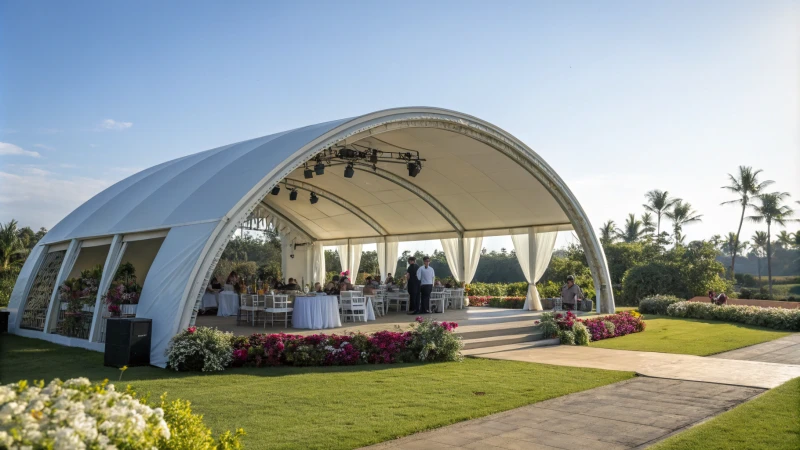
{"x":682,"y":214}
{"x":658,"y":203}
{"x":785,"y":239}
{"x":633,"y":230}
{"x":731,"y":245}
{"x":746,"y":186}
{"x":758,"y":249}
{"x":771,"y":210}
{"x":648,"y":226}
{"x":608,"y":233}
{"x":717,"y":242}
{"x":12,"y":248}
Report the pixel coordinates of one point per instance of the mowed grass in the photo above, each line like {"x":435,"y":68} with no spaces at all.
{"x":771,"y":421}
{"x":323,"y":408}
{"x":690,"y":336}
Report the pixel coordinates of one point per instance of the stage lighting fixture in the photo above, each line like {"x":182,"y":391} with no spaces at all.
{"x":348,"y":172}
{"x":374,"y":157}
{"x":314,"y":199}
{"x":308,"y":173}
{"x":414,"y":168}
{"x":319,"y":168}
{"x":293,"y":195}
{"x":276,"y":190}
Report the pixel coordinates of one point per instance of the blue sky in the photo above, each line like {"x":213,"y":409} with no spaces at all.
{"x":619,"y":97}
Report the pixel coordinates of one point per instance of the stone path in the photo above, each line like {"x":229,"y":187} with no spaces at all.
{"x":782,"y":351}
{"x":660,"y":365}
{"x":629,"y":414}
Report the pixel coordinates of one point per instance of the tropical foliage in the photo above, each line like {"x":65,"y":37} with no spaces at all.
{"x":15,"y":245}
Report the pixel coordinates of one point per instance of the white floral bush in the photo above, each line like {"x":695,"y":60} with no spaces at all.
{"x":776,"y":318}
{"x":76,"y":414}
{"x":200,"y":348}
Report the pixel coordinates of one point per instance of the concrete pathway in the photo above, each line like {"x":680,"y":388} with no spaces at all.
{"x":660,"y":365}
{"x":782,"y":351}
{"x":629,"y":414}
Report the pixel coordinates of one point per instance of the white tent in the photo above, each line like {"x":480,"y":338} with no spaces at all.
{"x":476,"y":180}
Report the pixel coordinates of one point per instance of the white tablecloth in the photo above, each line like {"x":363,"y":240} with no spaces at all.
{"x":370,"y":309}
{"x":316,"y":313}
{"x":210,"y":300}
{"x":228,"y":304}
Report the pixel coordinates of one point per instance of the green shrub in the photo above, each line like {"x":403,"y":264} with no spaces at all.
{"x":7,"y":280}
{"x":188,"y":432}
{"x":200,"y":348}
{"x":567,"y":337}
{"x":776,"y":318}
{"x":581,"y":334}
{"x":658,"y":304}
{"x":652,"y":279}
{"x":548,"y":325}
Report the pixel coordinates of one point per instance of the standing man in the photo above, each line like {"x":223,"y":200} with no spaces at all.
{"x":413,"y":286}
{"x":426,"y":277}
{"x":571,"y":293}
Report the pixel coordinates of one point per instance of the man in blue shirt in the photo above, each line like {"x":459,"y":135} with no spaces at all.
{"x":426,"y":277}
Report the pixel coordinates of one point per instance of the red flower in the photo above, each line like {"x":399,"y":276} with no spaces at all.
{"x":191,"y":330}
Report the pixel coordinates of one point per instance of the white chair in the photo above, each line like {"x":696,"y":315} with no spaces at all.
{"x":355,"y":308}
{"x":438,"y":300}
{"x":456,"y":297}
{"x":399,"y":299}
{"x":278,"y":304}
{"x":246,"y":307}
{"x":377,"y":303}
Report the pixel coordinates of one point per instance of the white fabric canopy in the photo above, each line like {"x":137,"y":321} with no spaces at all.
{"x":350,"y":259}
{"x":534,"y":251}
{"x":463,"y":266}
{"x":387,"y":257}
{"x":317,"y":263}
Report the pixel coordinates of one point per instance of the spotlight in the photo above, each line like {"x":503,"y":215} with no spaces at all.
{"x":276,"y":190}
{"x":319,"y":168}
{"x":347,"y":153}
{"x":414,"y":168}
{"x":293,"y":195}
{"x":374,"y":157}
{"x":308,"y":173}
{"x":314,"y":199}
{"x":348,"y":172}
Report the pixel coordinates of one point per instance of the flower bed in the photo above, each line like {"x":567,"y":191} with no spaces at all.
{"x":571,"y":330}
{"x":497,"y":302}
{"x":78,"y":414}
{"x":207,"y":349}
{"x":776,"y":318}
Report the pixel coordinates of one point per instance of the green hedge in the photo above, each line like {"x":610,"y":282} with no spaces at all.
{"x":776,"y":318}
{"x":658,"y":304}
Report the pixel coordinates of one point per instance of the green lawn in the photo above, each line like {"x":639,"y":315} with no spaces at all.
{"x":690,"y":336}
{"x":771,"y":421}
{"x":335,"y":407}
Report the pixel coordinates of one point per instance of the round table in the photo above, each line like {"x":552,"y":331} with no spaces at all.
{"x":228,"y":304}
{"x":316,"y":313}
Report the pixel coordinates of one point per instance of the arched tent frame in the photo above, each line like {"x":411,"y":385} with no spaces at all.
{"x":209,"y":237}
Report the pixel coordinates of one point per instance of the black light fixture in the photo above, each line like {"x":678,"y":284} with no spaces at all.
{"x":414,"y":168}
{"x":348,"y":171}
{"x":293,"y":195}
{"x":373,"y":158}
{"x":319,"y":168}
{"x":308,"y":173}
{"x":314,"y":199}
{"x":276,"y":190}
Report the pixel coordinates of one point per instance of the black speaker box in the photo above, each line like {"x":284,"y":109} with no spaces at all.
{"x":128,"y":342}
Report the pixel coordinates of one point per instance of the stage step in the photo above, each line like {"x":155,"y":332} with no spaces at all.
{"x":510,"y":347}
{"x":503,"y":339}
{"x":469,"y":329}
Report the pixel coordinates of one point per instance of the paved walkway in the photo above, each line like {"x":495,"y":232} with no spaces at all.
{"x":782,"y":351}
{"x":628,"y":414}
{"x":660,"y":365}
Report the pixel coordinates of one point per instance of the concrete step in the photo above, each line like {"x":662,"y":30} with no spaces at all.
{"x":510,"y":347}
{"x":470,"y":331}
{"x":495,"y":341}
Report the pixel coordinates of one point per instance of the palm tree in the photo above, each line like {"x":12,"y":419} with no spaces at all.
{"x":647,"y":223}
{"x":682,"y":214}
{"x":771,"y":210}
{"x":785,"y":239}
{"x":731,"y":245}
{"x":633,"y":230}
{"x":658,"y":202}
{"x":11,"y":246}
{"x":607,"y":235}
{"x":718,"y":243}
{"x":746,"y":186}
{"x":759,"y":249}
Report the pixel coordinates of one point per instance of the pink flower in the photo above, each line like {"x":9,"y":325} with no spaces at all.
{"x":191,"y":330}
{"x":419,"y":319}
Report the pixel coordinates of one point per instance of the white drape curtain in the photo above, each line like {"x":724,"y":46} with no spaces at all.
{"x":350,"y":258}
{"x":286,"y":250}
{"x":317,"y":263}
{"x":387,"y":257}
{"x":463,"y":266}
{"x":534,"y":251}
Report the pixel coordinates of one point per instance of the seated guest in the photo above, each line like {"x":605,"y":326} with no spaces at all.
{"x":233,"y":279}
{"x":389,"y":280}
{"x":369,"y":289}
{"x":449,"y":284}
{"x":336,"y":279}
{"x":215,"y":284}
{"x":571,"y":293}
{"x":291,"y":285}
{"x":345,"y":285}
{"x":332,"y":288}
{"x":438,"y":283}
{"x":317,"y":287}
{"x":277,"y":285}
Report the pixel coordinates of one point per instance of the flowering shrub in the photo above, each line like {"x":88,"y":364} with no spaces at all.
{"x":78,"y":414}
{"x":427,"y":341}
{"x":121,"y":293}
{"x":567,"y":337}
{"x":200,"y":348}
{"x":497,"y":302}
{"x":581,"y":333}
{"x":548,"y":325}
{"x":613,"y":325}
{"x":776,"y":318}
{"x":658,"y":304}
